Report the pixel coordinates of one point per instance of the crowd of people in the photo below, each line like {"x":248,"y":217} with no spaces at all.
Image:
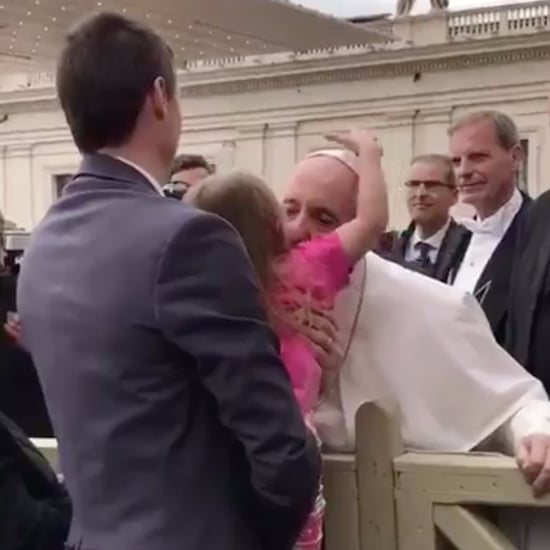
{"x":196,"y":363}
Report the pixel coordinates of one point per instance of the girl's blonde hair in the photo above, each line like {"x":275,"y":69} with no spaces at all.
{"x":250,"y":206}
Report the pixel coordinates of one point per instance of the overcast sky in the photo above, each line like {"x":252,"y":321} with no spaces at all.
{"x":350,"y":8}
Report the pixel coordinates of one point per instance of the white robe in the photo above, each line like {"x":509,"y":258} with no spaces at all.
{"x":429,"y":347}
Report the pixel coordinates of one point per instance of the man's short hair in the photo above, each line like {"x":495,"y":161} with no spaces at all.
{"x":107,"y":67}
{"x":441,"y":160}
{"x":188,"y":162}
{"x":506,"y":130}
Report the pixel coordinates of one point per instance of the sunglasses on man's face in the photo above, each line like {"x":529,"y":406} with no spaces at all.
{"x":176,"y":189}
{"x":429,"y":185}
{"x":180,"y":185}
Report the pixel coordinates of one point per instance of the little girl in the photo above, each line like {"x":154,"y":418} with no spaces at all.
{"x":293,"y":280}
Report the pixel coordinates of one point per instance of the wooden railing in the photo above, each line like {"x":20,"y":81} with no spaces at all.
{"x":382,"y":498}
{"x":385,"y":499}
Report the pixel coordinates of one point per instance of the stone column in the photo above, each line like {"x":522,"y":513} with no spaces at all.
{"x":250,"y":148}
{"x":3,"y":188}
{"x":431,"y":131}
{"x":18,"y":185}
{"x":280,"y":154}
{"x":225,"y":158}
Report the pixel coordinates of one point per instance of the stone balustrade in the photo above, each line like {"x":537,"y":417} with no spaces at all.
{"x":431,"y":29}
{"x":510,"y":19}
{"x":444,"y":27}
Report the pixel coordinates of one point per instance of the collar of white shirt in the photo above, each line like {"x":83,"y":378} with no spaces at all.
{"x":500,"y":221}
{"x":435,"y":240}
{"x":144,"y":173}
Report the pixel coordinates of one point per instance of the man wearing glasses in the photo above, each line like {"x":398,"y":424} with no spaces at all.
{"x":186,"y":171}
{"x":433,"y":242}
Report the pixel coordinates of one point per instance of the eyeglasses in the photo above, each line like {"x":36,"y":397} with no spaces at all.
{"x":176,"y":189}
{"x":429,"y":185}
{"x":180,"y":185}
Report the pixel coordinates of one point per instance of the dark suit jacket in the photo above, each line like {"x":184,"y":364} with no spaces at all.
{"x":528,"y":330}
{"x":452,"y":248}
{"x":493,"y":287}
{"x":36,"y":510}
{"x":21,"y":397}
{"x":176,"y":420}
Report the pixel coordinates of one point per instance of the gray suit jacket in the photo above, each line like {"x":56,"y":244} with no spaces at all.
{"x":176,"y":421}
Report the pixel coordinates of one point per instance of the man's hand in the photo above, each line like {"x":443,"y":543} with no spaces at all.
{"x":533,"y":457}
{"x":322,"y":332}
{"x":13,"y":326}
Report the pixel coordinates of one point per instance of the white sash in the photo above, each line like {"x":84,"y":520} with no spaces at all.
{"x":429,"y":347}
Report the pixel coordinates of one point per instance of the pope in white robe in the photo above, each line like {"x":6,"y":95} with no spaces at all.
{"x":426,"y":345}
{"x":429,"y":347}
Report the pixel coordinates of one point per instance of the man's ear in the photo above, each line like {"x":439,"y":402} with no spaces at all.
{"x":159,"y":98}
{"x":517,"y":156}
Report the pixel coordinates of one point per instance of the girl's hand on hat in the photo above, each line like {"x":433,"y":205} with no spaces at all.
{"x":356,"y":140}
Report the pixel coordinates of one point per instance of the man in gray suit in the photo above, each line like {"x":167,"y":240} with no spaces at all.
{"x":176,"y":421}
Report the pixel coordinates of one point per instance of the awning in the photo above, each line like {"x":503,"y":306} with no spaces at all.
{"x":31,"y":31}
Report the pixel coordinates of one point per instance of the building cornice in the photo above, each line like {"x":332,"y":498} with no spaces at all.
{"x":366,"y":66}
{"x":39,"y":94}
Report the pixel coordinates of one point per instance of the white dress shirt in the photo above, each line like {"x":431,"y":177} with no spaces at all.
{"x":487,"y":234}
{"x":144,"y":173}
{"x":435,"y":241}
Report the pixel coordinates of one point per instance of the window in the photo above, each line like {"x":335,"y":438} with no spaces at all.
{"x":523,"y":175}
{"x":59,"y":182}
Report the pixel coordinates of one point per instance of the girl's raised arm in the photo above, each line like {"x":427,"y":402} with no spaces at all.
{"x":361,"y":234}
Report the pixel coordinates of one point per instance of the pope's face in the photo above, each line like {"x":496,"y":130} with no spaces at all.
{"x":320,"y":196}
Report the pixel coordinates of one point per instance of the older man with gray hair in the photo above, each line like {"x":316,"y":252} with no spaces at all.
{"x":486,"y":154}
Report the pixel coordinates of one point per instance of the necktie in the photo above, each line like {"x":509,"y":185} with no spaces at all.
{"x":423,"y":258}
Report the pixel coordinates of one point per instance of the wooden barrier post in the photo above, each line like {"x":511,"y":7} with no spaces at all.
{"x":379,"y":442}
{"x":341,"y":494}
{"x":359,"y":487}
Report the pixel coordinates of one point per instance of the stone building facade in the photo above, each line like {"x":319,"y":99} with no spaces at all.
{"x":263,"y":114}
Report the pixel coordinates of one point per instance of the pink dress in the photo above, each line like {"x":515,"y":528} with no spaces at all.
{"x":311,"y":274}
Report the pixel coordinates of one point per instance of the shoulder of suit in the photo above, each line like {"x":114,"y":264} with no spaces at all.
{"x":181,"y":220}
{"x":527,"y":199}
{"x":408,"y":231}
{"x":404,"y":235}
{"x":537,"y":213}
{"x":541,"y":202}
{"x":458,"y":228}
